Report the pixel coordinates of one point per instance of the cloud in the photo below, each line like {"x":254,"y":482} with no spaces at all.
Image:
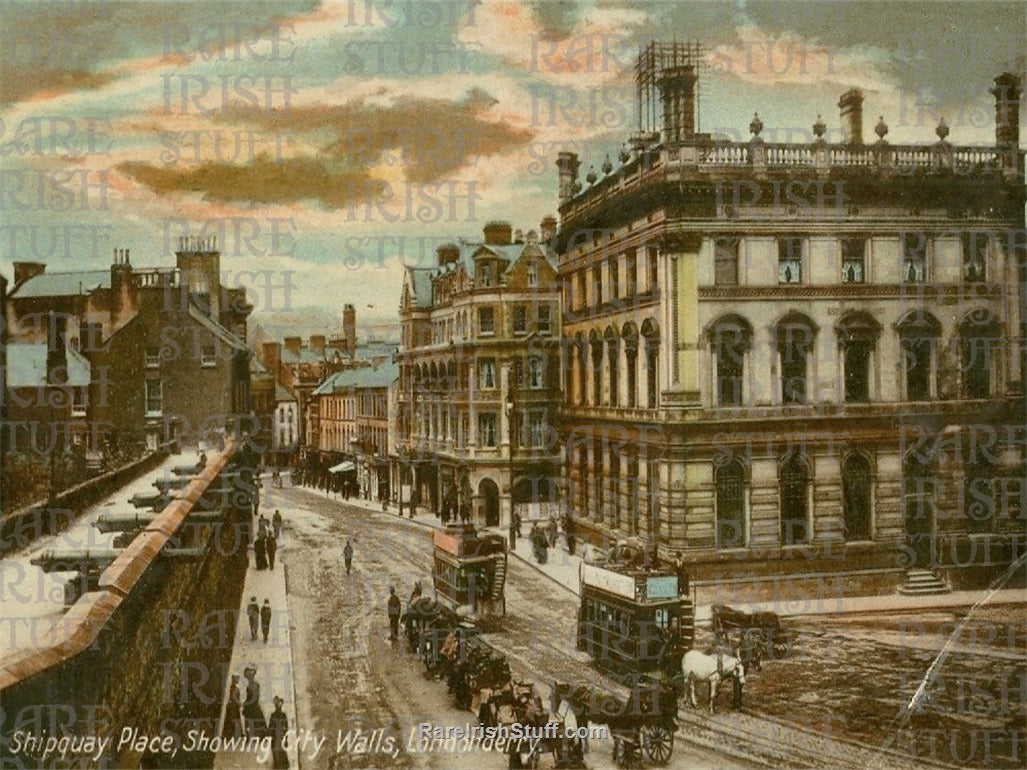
{"x":49,"y":84}
{"x":262,"y":181}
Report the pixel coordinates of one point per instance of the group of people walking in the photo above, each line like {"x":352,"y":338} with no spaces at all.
{"x":259,"y":616}
{"x":265,"y":545}
{"x":244,"y":717}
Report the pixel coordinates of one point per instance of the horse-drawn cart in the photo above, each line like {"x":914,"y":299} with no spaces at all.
{"x":757,"y":636}
{"x":641,"y":726}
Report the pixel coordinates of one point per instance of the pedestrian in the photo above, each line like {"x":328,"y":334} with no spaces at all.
{"x":347,"y":554}
{"x":265,"y":619}
{"x":232,"y":726}
{"x":262,"y":524}
{"x":271,"y":545}
{"x":394,"y":610}
{"x":682,"y":573}
{"x":278,"y":725}
{"x":276,"y":523}
{"x":517,"y":523}
{"x":260,"y":552}
{"x":553,"y":531}
{"x":252,"y":713}
{"x":253,"y":612}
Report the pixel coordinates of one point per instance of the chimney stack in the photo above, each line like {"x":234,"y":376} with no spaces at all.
{"x":317,"y":343}
{"x":548,"y":228}
{"x":25,"y":270}
{"x":293,"y":345}
{"x":677,"y":91}
{"x":498,"y":233}
{"x":851,"y":110}
{"x":567,"y":163}
{"x":447,"y":253}
{"x":1007,"y":94}
{"x":349,"y":329}
{"x":272,"y":357}
{"x":56,"y":350}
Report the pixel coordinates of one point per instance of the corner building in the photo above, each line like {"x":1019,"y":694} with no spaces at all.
{"x":800,"y":365}
{"x":479,"y":385}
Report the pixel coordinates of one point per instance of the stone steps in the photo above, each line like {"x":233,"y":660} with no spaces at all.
{"x":923,"y":582}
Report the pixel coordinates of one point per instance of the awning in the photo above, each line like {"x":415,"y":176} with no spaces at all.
{"x":343,"y":467}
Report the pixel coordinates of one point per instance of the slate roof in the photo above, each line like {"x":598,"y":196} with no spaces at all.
{"x":364,"y":377}
{"x":282,"y":393}
{"x":308,"y":355}
{"x":26,"y":366}
{"x":80,"y":282}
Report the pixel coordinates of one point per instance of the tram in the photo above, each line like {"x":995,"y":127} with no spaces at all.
{"x":469,"y":570}
{"x":632,"y":619}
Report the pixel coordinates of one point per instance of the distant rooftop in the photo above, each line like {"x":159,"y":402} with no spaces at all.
{"x":26,"y":366}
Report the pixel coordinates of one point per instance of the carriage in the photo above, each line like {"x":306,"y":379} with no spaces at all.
{"x":469,"y":570}
{"x":757,"y":636}
{"x":643,"y":725}
{"x":632,"y":618}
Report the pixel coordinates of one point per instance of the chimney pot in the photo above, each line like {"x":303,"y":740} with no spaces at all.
{"x":1007,"y":92}
{"x":850,"y":106}
{"x":567,"y":163}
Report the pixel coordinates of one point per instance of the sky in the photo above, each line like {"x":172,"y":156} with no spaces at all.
{"x":329,"y":143}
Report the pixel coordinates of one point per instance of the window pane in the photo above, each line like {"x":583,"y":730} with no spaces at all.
{"x":725,"y":261}
{"x":853,"y":260}
{"x":857,"y":375}
{"x":789,"y":260}
{"x":914,"y":257}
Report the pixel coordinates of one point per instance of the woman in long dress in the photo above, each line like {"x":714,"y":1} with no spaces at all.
{"x":260,"y":551}
{"x":233,"y":726}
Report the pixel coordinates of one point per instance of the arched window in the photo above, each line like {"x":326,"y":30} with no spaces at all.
{"x":583,"y":481}
{"x":857,"y":336}
{"x":795,"y":333}
{"x":615,"y":487}
{"x":630,"y":335}
{"x":978,"y":341}
{"x":582,"y":354}
{"x":613,"y":364}
{"x":730,"y":481}
{"x":918,"y":335}
{"x":652,"y":359}
{"x":597,"y":369}
{"x":730,"y":339}
{"x":856,"y":492}
{"x":794,"y":489}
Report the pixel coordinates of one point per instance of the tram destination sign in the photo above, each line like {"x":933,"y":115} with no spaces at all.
{"x":608,"y":580}
{"x":665,"y":587}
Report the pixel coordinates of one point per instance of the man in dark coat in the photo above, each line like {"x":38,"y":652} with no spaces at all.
{"x":278,"y":724}
{"x":253,"y":714}
{"x":253,"y":613}
{"x":260,"y":551}
{"x":271,"y":546}
{"x":394,"y":610}
{"x":276,"y":523}
{"x":347,"y":554}
{"x":265,"y":619}
{"x":233,"y":726}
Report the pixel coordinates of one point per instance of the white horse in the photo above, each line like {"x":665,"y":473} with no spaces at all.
{"x":698,"y":666}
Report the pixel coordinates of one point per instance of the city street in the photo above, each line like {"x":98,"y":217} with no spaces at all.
{"x":348,"y":675}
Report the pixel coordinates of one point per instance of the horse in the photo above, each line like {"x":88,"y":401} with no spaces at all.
{"x":696,"y":665}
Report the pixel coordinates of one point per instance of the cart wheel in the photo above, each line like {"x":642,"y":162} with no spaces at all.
{"x":658,"y":742}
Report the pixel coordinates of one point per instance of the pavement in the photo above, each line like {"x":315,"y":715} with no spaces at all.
{"x":563,"y":569}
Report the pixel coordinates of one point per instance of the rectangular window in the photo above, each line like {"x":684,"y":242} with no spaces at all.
{"x":597,"y":285}
{"x":975,"y":252}
{"x":154,"y":398}
{"x":614,"y":268}
{"x":520,"y":319}
{"x":854,"y":260}
{"x":654,"y":269}
{"x":789,"y":260}
{"x":725,"y":261}
{"x":544,"y":326}
{"x":535,"y":373}
{"x":533,"y":430}
{"x":485,"y":275}
{"x":208,"y":357}
{"x":79,"y":401}
{"x":631,"y":274}
{"x":914,"y":258}
{"x":582,"y":298}
{"x":487,"y":430}
{"x":486,"y":321}
{"x":487,"y":373}
{"x":152,"y":357}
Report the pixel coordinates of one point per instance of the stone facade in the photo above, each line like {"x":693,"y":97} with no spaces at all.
{"x":777,"y":351}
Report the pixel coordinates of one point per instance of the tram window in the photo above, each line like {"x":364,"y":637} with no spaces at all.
{"x":662,"y":619}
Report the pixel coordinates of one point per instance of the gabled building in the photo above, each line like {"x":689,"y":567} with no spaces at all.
{"x":797,"y":358}
{"x":479,"y":378}
{"x":165,"y":362}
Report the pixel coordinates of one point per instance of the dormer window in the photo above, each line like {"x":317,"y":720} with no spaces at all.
{"x":485,"y":274}
{"x":533,"y":274}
